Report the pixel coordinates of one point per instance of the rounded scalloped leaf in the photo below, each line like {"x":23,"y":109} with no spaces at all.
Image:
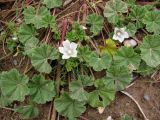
{"x":152,"y":21}
{"x":96,"y":22}
{"x":118,"y":76}
{"x":40,"y":56}
{"x":150,"y":50}
{"x":53,"y":3}
{"x":27,"y":112}
{"x":113,"y":8}
{"x":127,"y":57}
{"x":77,"y":87}
{"x":41,"y":90}
{"x":103,"y":95}
{"x":31,"y":17}
{"x":69,"y":107}
{"x":100,"y":63}
{"x":14,"y":85}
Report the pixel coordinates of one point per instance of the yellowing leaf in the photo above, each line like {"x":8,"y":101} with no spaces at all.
{"x":110,"y":47}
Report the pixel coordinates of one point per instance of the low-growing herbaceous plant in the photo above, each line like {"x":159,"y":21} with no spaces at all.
{"x":65,"y":53}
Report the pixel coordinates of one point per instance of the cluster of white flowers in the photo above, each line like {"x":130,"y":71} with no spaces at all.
{"x":69,"y":49}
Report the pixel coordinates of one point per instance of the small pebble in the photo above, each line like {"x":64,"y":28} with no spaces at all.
{"x":15,"y":62}
{"x":130,"y":42}
{"x":146,"y":97}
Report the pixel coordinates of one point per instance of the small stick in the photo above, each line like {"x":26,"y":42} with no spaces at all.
{"x":134,"y":100}
{"x":4,"y":47}
{"x":83,"y":118}
{"x":6,"y":56}
{"x":53,"y":112}
{"x":7,"y":108}
{"x":64,"y":30}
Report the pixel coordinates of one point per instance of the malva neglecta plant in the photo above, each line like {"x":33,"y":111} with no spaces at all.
{"x":78,"y":54}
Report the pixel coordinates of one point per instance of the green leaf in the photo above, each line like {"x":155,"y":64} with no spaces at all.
{"x":77,"y":88}
{"x":71,"y":64}
{"x":40,"y":56}
{"x":4,"y":101}
{"x":49,"y":20}
{"x":144,"y":69}
{"x":127,"y":57}
{"x":110,"y":47}
{"x":130,"y":2}
{"x":126,"y":117}
{"x":103,"y":95}
{"x":152,"y":21}
{"x":53,"y":3}
{"x":76,"y":34}
{"x":31,"y":16}
{"x":99,"y":63}
{"x":131,"y":29}
{"x":84,"y":53}
{"x":118,"y":76}
{"x":14,"y":85}
{"x":114,"y":9}
{"x":136,"y":15}
{"x":27,"y":34}
{"x":27,"y":112}
{"x":69,"y":107}
{"x":150,"y":50}
{"x":41,"y":90}
{"x":96,"y":23}
{"x":11,"y":44}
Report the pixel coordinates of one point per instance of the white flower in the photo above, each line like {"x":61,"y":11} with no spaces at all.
{"x":130,"y":42}
{"x":120,"y":34}
{"x":68,"y":50}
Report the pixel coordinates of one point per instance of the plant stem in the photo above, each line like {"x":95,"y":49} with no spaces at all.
{"x":53,"y":112}
{"x":64,"y":30}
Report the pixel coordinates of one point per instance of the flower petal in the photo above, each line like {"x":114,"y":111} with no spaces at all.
{"x":65,"y":56}
{"x":74,"y":54}
{"x":116,"y":29}
{"x":66,"y":43}
{"x":61,"y":50}
{"x":125,"y":35}
{"x":121,"y":39}
{"x":73,"y":45}
{"x":115,"y":37}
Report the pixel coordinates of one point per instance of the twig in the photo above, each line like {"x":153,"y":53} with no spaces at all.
{"x":7,"y":108}
{"x":4,"y":57}
{"x":4,"y":47}
{"x":134,"y":100}
{"x":68,"y":15}
{"x":94,"y":46}
{"x":64,"y":30}
{"x":26,"y":68}
{"x":83,"y":118}
{"x":67,"y":8}
{"x":21,"y":61}
{"x":53,"y":113}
